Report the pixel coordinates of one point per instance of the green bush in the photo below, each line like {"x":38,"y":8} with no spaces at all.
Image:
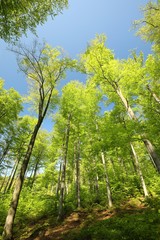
{"x":140,"y":226}
{"x":4,"y":205}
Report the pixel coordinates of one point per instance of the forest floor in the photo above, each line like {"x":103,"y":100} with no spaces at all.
{"x":126,"y":222}
{"x":76,"y":220}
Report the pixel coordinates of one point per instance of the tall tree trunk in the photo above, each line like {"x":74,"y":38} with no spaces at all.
{"x":150,"y":148}
{"x":152,"y":153}
{"x":156,"y":98}
{"x":35,"y":171}
{"x":138,"y":169}
{"x":109,"y":194}
{"x":96,"y":178}
{"x":126,"y":104}
{"x":8,"y":227}
{"x":4,"y":180}
{"x":59,"y":180}
{"x":5,"y":151}
{"x":63,"y":177}
{"x":78,"y":174}
{"x":12,"y":176}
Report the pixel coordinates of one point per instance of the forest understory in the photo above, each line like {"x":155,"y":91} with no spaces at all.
{"x":128,"y":223}
{"x":133,"y":219}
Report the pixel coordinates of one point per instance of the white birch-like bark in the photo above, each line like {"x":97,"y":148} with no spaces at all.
{"x":138,"y":169}
{"x":109,"y":194}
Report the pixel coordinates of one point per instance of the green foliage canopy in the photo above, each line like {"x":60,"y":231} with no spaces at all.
{"x":16,"y":17}
{"x":149,"y":26}
{"x":10,"y":106}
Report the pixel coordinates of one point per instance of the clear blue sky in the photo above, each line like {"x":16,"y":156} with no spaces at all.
{"x":73,"y":29}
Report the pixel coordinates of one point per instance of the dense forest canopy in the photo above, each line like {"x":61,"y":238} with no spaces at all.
{"x":96,"y":156}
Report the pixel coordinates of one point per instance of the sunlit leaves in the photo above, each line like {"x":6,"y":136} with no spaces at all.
{"x":18,"y":17}
{"x":44,"y":67}
{"x":150,"y":29}
{"x":10,"y":106}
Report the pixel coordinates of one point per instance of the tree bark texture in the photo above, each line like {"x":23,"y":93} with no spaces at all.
{"x":150,"y":148}
{"x":138,"y":169}
{"x":8,"y":227}
{"x":64,"y":164}
{"x":109,"y":194}
{"x":59,"y":180}
{"x":78,"y":174}
{"x":35,"y":171}
{"x":12,"y":177}
{"x":152,"y":153}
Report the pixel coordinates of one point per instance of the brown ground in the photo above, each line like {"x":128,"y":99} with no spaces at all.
{"x":46,"y":231}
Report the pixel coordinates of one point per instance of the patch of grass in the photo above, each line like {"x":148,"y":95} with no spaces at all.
{"x":125,"y":226}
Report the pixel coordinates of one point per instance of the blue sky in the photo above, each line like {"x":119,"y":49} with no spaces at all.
{"x":74,"y":29}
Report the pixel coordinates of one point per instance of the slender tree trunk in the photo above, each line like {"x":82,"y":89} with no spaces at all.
{"x":96,"y":179}
{"x":35,"y":171}
{"x":4,"y":180}
{"x":9,"y":179}
{"x":5,"y":152}
{"x":126,"y":104}
{"x":63,"y":177}
{"x":8,"y":227}
{"x":150,"y":148}
{"x":30,"y":177}
{"x":78,"y":174}
{"x":12,"y":177}
{"x":152,"y":153}
{"x":109,"y":194}
{"x":138,"y":169}
{"x":58,"y":186}
{"x":59,"y":180}
{"x":133,"y":162}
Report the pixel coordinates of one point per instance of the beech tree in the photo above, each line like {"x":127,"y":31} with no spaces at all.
{"x":118,"y":78}
{"x":78,"y":104}
{"x":44,"y":68}
{"x":14,"y":142}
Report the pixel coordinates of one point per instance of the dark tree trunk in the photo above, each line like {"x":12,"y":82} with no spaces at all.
{"x":59,"y":180}
{"x":4,"y":180}
{"x":35,"y":172}
{"x":12,"y":177}
{"x":8,"y":227}
{"x":64,"y":164}
{"x":5,"y":151}
{"x":78,"y":174}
